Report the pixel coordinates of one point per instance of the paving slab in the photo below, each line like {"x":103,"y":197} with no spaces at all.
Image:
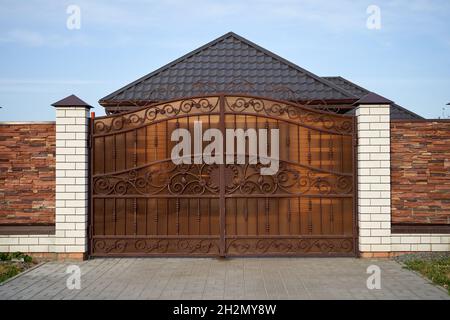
{"x":207,"y":278}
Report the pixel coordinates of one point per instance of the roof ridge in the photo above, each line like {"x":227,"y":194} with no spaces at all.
{"x":220,"y":39}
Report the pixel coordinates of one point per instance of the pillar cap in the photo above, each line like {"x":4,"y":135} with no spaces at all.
{"x":71,"y":101}
{"x":373,"y":98}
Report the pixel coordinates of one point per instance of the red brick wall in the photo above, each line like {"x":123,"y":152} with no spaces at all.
{"x":420,"y":164}
{"x":27,"y":174}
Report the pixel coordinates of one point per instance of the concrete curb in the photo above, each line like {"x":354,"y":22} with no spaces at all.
{"x":404,"y":266}
{"x":22,"y":273}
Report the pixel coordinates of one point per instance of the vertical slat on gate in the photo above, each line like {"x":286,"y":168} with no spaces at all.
{"x":198,"y":216}
{"x":222,"y":180}
{"x":342,"y":153}
{"x":156,"y":219}
{"x":246,"y":215}
{"x":98,"y":218}
{"x":321,"y":215}
{"x":331,"y":152}
{"x":289,"y":215}
{"x":257,"y":216}
{"x":331,"y":217}
{"x":298,"y":145}
{"x":235,"y":216}
{"x":135,"y":216}
{"x":267,"y":215}
{"x":209,"y":200}
{"x":309,"y":147}
{"x":177,"y":223}
{"x":310,"y":226}
{"x":167,"y":216}
{"x":320,"y":149}
{"x":288,"y":150}
{"x":188,"y":209}
{"x":278,"y":215}
{"x":121,"y":216}
{"x":145,"y":218}
{"x":209,"y":216}
{"x":299,"y":215}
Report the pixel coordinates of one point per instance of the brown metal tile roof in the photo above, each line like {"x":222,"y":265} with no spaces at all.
{"x":233,"y":64}
{"x":229,"y":64}
{"x":397,"y":112}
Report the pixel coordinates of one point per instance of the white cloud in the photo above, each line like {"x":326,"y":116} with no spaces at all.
{"x":37,"y":39}
{"x":42,"y":85}
{"x":29,"y":38}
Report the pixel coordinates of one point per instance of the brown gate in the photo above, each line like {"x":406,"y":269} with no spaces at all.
{"x":143,"y":204}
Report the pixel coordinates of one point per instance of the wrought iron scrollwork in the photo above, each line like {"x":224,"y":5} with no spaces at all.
{"x":246,"y":179}
{"x":289,"y":246}
{"x":149,"y":114}
{"x":156,"y":246}
{"x":165,"y":178}
{"x":298,"y":113}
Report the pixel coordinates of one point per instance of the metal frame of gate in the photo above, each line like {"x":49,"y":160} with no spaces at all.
{"x":141,"y":204}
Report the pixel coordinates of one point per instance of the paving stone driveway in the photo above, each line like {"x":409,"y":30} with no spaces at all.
{"x":195,"y":278}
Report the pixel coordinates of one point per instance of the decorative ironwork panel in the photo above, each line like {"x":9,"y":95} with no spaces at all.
{"x":144,"y":204}
{"x":163,"y":178}
{"x":290,"y":246}
{"x":154,"y":113}
{"x":298,"y":114}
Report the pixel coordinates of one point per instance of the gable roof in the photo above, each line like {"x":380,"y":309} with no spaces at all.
{"x":230,"y":64}
{"x":397,"y":112}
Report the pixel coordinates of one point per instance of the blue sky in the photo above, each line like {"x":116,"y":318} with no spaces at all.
{"x":42,"y":61}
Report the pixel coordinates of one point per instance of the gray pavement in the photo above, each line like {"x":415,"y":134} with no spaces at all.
{"x":240,"y":278}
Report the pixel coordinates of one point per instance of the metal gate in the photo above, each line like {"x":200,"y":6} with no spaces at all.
{"x":142,"y":204}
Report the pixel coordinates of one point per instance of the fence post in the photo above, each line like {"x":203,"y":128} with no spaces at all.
{"x":71,"y":206}
{"x":374,"y":174}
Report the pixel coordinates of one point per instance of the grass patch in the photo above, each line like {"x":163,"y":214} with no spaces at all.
{"x":437,"y":270}
{"x":8,"y":270}
{"x":11,"y":264}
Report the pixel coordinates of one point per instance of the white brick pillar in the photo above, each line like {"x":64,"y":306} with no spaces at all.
{"x":374,"y":174}
{"x":71,"y":207}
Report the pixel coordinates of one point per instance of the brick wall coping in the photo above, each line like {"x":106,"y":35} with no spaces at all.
{"x":25,"y":122}
{"x":399,"y":228}
{"x":420,"y":120}
{"x":27,"y":230}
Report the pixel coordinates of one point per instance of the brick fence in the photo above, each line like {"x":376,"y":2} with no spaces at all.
{"x":420,"y":162}
{"x":403,"y":180}
{"x":27,"y":179}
